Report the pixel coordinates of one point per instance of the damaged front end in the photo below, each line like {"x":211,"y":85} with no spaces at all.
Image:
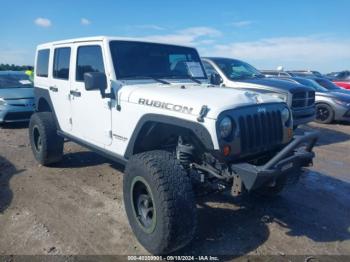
{"x":257,"y":150}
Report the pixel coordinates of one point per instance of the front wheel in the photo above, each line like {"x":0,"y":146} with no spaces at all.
{"x":159,"y":202}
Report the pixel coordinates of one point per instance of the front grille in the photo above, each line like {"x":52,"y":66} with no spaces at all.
{"x":311,"y":98}
{"x":303,"y":99}
{"x":260,"y":131}
{"x":15,"y":116}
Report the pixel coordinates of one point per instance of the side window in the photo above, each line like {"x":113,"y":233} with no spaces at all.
{"x":42,"y":63}
{"x":89,"y":59}
{"x":209,"y":69}
{"x":61,"y":63}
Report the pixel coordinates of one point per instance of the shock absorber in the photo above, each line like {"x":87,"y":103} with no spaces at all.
{"x":184,"y":153}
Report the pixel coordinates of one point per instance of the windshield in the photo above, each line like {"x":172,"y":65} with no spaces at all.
{"x":137,"y":60}
{"x":312,"y":84}
{"x":235,"y":69}
{"x":327,"y":84}
{"x":12,"y":80}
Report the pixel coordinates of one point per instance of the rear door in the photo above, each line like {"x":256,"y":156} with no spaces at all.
{"x":91,"y":114}
{"x":59,"y":86}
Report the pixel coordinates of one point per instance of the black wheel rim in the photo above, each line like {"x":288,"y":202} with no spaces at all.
{"x":143,"y":204}
{"x":322,"y":113}
{"x":37,"y":139}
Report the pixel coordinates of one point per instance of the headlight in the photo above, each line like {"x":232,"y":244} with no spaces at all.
{"x":2,"y":102}
{"x":225,"y":127}
{"x":285,"y":114}
{"x":342,"y":103}
{"x":279,"y":96}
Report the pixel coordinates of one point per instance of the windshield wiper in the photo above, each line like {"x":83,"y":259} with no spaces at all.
{"x":186,"y":77}
{"x":194,"y":79}
{"x":146,"y":77}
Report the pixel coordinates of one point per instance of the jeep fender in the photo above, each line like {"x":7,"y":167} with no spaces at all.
{"x":198,"y":130}
{"x":43,"y":103}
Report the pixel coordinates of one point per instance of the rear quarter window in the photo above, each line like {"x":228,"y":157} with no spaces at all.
{"x":42,"y":63}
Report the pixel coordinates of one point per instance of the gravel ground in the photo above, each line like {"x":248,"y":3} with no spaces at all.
{"x":77,"y":208}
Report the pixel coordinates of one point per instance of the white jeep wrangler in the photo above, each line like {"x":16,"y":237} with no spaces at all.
{"x":150,"y":107}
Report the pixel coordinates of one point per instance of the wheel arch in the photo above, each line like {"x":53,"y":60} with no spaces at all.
{"x":43,"y":105}
{"x":333,"y":110}
{"x":325,"y":103}
{"x":152,"y":130}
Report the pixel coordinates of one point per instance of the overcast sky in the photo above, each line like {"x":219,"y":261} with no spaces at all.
{"x":294,"y":34}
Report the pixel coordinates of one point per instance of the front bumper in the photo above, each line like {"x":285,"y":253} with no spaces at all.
{"x":341,"y":113}
{"x":303,"y":116}
{"x":295,"y":155}
{"x":15,"y":114}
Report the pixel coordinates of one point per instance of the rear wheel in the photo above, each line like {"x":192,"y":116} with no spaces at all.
{"x":159,"y":201}
{"x":324,"y":114}
{"x":46,"y":145}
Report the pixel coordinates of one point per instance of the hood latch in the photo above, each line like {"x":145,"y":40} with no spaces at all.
{"x":204,"y":111}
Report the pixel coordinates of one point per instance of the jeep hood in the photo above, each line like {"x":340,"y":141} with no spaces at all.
{"x":217,"y":99}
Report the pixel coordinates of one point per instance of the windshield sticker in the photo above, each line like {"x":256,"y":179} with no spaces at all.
{"x":25,"y":82}
{"x":195,"y":69}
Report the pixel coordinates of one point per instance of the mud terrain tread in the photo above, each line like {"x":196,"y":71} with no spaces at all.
{"x":52,"y":144}
{"x":173,"y":190}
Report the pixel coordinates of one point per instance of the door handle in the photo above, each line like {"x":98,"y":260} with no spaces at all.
{"x":75,"y":93}
{"x":53,"y":89}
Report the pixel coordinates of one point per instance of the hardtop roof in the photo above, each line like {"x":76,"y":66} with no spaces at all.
{"x":103,"y":38}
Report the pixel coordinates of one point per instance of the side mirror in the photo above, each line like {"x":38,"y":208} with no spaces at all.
{"x":215,"y":79}
{"x":97,"y":81}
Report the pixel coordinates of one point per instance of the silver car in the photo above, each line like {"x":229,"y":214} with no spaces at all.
{"x":16,"y":97}
{"x":330,"y":104}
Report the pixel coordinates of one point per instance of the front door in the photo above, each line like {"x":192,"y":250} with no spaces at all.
{"x":91,"y":115}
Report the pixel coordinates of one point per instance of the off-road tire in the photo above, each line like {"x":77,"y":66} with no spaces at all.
{"x":326,"y":108}
{"x":50,"y":148}
{"x":173,"y":201}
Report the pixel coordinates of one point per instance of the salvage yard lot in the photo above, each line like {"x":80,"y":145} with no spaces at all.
{"x":76,"y":207}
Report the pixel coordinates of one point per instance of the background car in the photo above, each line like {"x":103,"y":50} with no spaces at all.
{"x":304,"y":73}
{"x":234,"y":73}
{"x":275,"y":73}
{"x":16,"y":97}
{"x":330,"y":85}
{"x":330,"y":105}
{"x":341,"y":79}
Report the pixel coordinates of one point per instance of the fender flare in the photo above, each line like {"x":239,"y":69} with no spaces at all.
{"x":42,"y":93}
{"x":198,"y":130}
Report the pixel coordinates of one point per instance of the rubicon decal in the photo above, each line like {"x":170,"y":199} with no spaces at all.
{"x":165,"y":105}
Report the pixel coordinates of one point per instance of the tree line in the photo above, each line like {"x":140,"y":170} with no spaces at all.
{"x":12,"y":67}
